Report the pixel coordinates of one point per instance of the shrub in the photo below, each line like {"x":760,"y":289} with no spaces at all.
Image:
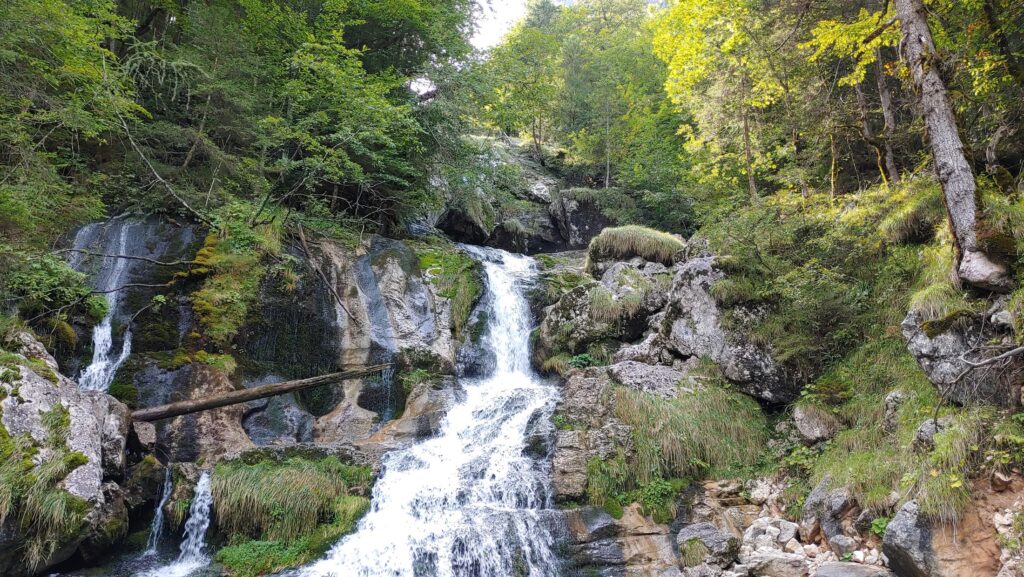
{"x":630,"y":241}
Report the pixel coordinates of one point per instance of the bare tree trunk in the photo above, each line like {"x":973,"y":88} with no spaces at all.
{"x":866,"y":132}
{"x":955,"y":174}
{"x":833,"y":171}
{"x":749,"y":156}
{"x":889,"y":114}
{"x":607,"y":148}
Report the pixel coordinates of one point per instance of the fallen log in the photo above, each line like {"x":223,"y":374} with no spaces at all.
{"x":255,"y":393}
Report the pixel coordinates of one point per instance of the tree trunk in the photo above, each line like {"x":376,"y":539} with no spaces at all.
{"x":889,"y":114}
{"x":866,"y":132}
{"x":255,"y":393}
{"x":607,"y":148}
{"x":955,"y":174}
{"x":748,"y":155}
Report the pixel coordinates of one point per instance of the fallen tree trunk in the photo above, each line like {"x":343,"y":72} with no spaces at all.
{"x":261,"y":392}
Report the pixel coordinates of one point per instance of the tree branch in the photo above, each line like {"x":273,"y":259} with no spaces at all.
{"x":125,"y":256}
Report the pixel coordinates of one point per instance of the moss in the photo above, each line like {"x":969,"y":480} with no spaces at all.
{"x":124,"y":392}
{"x":456,"y":277}
{"x":693,"y":552}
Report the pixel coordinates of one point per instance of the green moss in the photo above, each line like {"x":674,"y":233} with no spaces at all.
{"x":456,"y":277}
{"x":693,"y":552}
{"x":124,"y":392}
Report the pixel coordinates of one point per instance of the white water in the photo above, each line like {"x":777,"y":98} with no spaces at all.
{"x":467,"y":502}
{"x":193,"y":549}
{"x":158,"y":519}
{"x":100,"y":372}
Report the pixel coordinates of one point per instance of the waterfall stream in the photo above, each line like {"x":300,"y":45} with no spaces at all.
{"x":112,"y":274}
{"x":193,"y":549}
{"x":468,"y":502}
{"x":158,"y":518}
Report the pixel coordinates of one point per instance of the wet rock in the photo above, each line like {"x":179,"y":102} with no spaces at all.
{"x":142,"y":438}
{"x":694,"y":329}
{"x":652,"y":379}
{"x":814,"y":424}
{"x":107,"y":526}
{"x":722,"y":548}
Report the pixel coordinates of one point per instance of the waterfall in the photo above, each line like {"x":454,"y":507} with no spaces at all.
{"x":193,"y":548}
{"x":468,"y":501}
{"x":158,"y":518}
{"x":112,"y":274}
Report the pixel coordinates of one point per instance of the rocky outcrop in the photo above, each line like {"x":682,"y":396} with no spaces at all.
{"x":661,"y":316}
{"x":694,"y":328}
{"x":632,"y":546}
{"x":577,"y":217}
{"x":943,"y":347}
{"x":53,"y":421}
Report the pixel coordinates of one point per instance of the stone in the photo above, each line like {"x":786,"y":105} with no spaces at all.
{"x":893,"y":402}
{"x":655,"y":380}
{"x":925,"y":434}
{"x":578,"y":219}
{"x":824,"y":512}
{"x":940,"y":350}
{"x":694,"y":329}
{"x":907,"y":543}
{"x":459,"y":225}
{"x":776,"y":564}
{"x":814,"y":424}
{"x":976,"y":269}
{"x":842,"y":545}
{"x":1000,"y":481}
{"x":143,"y":437}
{"x":569,"y":465}
{"x":722,"y":547}
{"x":840,"y":569}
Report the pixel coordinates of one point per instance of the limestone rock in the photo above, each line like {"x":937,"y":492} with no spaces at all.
{"x":977,"y":270}
{"x":907,"y":543}
{"x":776,"y":564}
{"x":814,"y":424}
{"x":939,"y":350}
{"x":652,"y":379}
{"x":694,"y":329}
{"x":840,"y":569}
{"x":826,"y":511}
{"x":722,"y":547}
{"x":578,"y":220}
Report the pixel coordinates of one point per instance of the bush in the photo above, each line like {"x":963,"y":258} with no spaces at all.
{"x":630,"y":241}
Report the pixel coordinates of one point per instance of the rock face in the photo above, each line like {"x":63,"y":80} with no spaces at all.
{"x":940,"y":347}
{"x":50,"y":413}
{"x":918,"y":547}
{"x":694,"y":329}
{"x":631,"y":546}
{"x":660,"y":316}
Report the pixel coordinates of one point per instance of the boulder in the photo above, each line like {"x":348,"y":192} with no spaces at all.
{"x":776,"y":564}
{"x":722,"y":548}
{"x":924,"y":436}
{"x":693,"y":328}
{"x":907,"y":543}
{"x":459,"y":225}
{"x":655,"y":380}
{"x":939,"y":347}
{"x":827,"y":512}
{"x":569,"y":465}
{"x":814,"y":424}
{"x":577,"y":218}
{"x":96,"y":429}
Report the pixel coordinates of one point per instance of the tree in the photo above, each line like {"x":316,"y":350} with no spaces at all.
{"x":953,"y":170}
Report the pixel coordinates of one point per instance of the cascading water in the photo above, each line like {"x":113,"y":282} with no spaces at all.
{"x":100,"y":372}
{"x":158,"y":519}
{"x":468,"y":502}
{"x":193,"y":549}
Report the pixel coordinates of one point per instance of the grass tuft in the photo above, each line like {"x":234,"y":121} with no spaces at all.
{"x":630,"y":241}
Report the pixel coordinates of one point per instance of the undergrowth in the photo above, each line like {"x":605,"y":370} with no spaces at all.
{"x":626,"y":242}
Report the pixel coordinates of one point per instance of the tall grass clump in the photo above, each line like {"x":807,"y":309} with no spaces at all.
{"x":282,"y":501}
{"x":47,"y":515}
{"x":710,"y":430}
{"x":630,"y":241}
